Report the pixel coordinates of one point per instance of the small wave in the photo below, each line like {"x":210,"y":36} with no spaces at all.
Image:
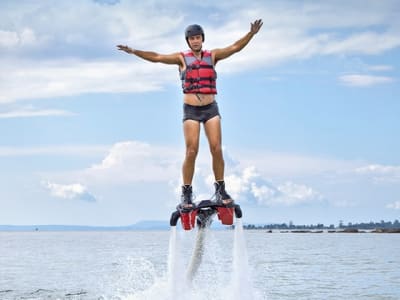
{"x":80,"y":293}
{"x":41,"y":291}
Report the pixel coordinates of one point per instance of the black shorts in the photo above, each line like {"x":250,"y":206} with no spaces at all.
{"x":200,"y":113}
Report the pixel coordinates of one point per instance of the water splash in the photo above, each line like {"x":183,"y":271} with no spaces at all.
{"x":241,"y":276}
{"x":176,"y":273}
{"x":168,"y":287}
{"x":198,"y":253}
{"x":222,"y":274}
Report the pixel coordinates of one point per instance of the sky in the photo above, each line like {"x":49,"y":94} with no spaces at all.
{"x":90,"y":135}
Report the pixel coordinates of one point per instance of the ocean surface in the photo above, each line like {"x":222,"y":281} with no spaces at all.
{"x":235,"y":264}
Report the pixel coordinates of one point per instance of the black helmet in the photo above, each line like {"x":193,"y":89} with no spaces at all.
{"x":192,"y":30}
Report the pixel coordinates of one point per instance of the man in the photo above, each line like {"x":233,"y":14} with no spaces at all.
{"x":196,"y":67}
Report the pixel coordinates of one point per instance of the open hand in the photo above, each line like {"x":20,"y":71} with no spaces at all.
{"x":125,"y":48}
{"x":255,"y":27}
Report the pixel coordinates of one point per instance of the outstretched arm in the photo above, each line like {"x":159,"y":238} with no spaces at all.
{"x":238,"y":45}
{"x":171,"y":59}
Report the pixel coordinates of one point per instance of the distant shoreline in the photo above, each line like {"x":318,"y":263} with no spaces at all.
{"x":379,"y":230}
{"x":144,"y":225}
{"x":164,"y":226}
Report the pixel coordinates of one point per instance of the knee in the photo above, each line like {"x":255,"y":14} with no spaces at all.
{"x":191,"y":153}
{"x":216,"y":150}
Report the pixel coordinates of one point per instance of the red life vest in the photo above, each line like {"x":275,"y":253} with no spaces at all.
{"x":199,"y":76}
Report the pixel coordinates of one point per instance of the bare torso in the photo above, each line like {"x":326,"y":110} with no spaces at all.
{"x":198,"y":99}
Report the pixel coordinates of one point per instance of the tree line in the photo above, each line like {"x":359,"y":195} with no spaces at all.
{"x":320,"y":226}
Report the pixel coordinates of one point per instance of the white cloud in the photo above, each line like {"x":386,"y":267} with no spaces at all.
{"x":364,"y":80}
{"x":282,"y":165}
{"x":133,"y":161}
{"x":249,"y":185}
{"x":324,"y":14}
{"x":394,"y":205}
{"x":362,"y":43}
{"x":126,"y":21}
{"x":24,"y":38}
{"x":107,"y":2}
{"x":380,"y":173}
{"x":378,"y":169}
{"x":8,"y":38}
{"x":69,"y":191}
{"x":66,"y":78}
{"x":297,"y":193}
{"x":301,"y":30}
{"x":83,"y":58}
{"x":278,"y":180}
{"x":29,"y":112}
{"x":54,"y":150}
{"x":380,"y":68}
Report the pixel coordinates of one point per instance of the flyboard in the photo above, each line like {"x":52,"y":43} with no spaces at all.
{"x":203,"y":213}
{"x":201,"y":216}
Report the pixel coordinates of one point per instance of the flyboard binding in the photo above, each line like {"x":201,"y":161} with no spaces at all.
{"x":203,"y":213}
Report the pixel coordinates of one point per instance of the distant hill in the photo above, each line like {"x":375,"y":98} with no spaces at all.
{"x":139,"y":226}
{"x":142,"y":225}
{"x":150,"y":225}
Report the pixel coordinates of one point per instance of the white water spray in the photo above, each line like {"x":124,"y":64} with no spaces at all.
{"x":211,"y":272}
{"x":241,"y":278}
{"x":176,"y":273}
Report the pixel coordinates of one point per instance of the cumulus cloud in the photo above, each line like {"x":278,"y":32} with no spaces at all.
{"x":69,"y":191}
{"x":276,"y":181}
{"x":249,"y":185}
{"x":133,"y":161}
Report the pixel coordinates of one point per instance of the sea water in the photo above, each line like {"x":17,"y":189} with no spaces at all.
{"x":236,"y":264}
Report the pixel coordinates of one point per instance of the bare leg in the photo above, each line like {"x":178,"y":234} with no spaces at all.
{"x":213,"y":131}
{"x":191,"y":131}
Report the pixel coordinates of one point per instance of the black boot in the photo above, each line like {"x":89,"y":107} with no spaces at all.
{"x":221,"y":195}
{"x":186,"y":197}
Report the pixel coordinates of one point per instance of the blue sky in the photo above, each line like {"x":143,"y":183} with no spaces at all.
{"x":92,"y":136}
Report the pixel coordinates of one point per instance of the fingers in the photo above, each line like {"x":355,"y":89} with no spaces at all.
{"x":122,"y":47}
{"x":255,"y":27}
{"x":258,"y":23}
